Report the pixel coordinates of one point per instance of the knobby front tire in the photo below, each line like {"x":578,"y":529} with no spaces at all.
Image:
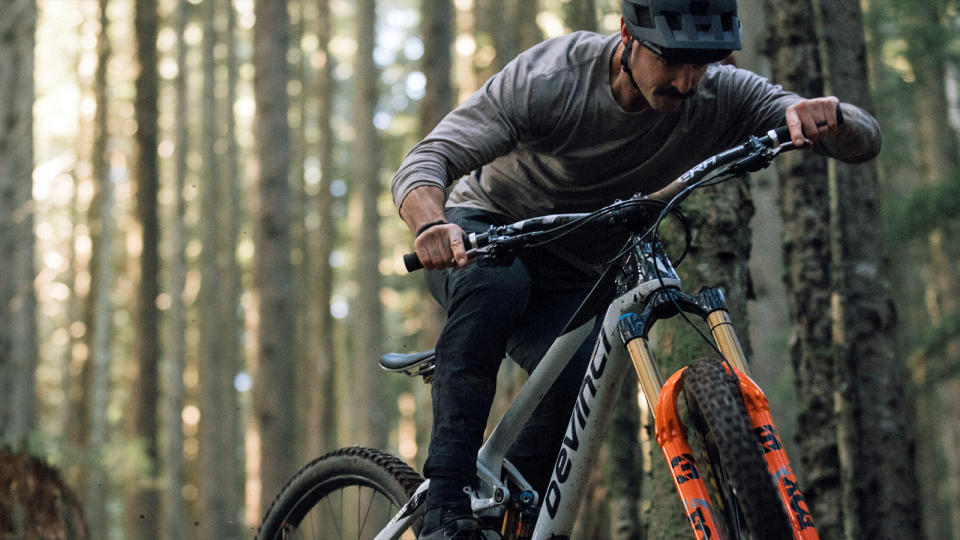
{"x":751,"y":503}
{"x":349,"y":493}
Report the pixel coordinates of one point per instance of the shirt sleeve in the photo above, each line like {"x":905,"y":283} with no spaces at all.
{"x":512,"y":106}
{"x":750,"y":101}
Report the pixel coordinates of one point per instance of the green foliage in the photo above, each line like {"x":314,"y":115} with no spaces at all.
{"x":932,"y":348}
{"x":924,"y":209}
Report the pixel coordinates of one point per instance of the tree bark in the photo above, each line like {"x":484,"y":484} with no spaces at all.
{"x":368,"y":328}
{"x":804,"y":204}
{"x":928,"y":35}
{"x":175,"y":466}
{"x":624,"y":466}
{"x":18,"y":326}
{"x":323,"y":404}
{"x":232,"y":315}
{"x":274,"y":404}
{"x":525,"y":25}
{"x":217,"y":449}
{"x":102,"y":279}
{"x":581,"y":15}
{"x":717,"y":258}
{"x":142,"y":516}
{"x":879,"y":500}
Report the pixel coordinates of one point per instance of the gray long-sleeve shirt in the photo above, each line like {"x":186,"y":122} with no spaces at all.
{"x":545,"y":135}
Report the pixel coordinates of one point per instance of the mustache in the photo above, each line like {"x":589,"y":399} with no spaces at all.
{"x":671,"y":92}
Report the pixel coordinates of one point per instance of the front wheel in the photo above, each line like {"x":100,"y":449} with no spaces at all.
{"x":752,"y":507}
{"x":349,"y":493}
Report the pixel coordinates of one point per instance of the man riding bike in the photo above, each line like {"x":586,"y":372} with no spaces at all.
{"x":569,"y":125}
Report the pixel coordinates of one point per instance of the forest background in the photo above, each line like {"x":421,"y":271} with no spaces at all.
{"x":201,"y":259}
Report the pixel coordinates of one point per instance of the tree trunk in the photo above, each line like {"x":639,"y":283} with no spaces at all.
{"x":102,"y":278}
{"x":491,"y":29}
{"x":300,"y":254}
{"x":880,"y":500}
{"x":525,"y":24}
{"x":142,"y":511}
{"x":438,"y":30}
{"x":274,"y":404}
{"x":624,"y":466}
{"x":928,"y":36}
{"x":718,"y":257}
{"x":217,"y":449}
{"x":323,"y":405}
{"x":232,"y":316}
{"x":804,"y":204}
{"x":368,"y":327}
{"x":580,"y":15}
{"x":18,"y":326}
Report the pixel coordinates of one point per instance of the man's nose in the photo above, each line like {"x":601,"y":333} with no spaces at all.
{"x":686,"y":78}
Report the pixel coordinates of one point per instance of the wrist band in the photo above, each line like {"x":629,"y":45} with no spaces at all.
{"x":428,"y":225}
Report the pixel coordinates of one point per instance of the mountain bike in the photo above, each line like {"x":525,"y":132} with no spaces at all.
{"x":733,"y":476}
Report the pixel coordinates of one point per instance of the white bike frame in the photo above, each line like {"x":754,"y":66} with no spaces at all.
{"x":608,"y":366}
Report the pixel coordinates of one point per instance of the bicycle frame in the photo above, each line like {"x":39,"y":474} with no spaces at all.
{"x":644,"y":289}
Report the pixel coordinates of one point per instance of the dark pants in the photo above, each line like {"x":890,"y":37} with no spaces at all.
{"x":491,"y":312}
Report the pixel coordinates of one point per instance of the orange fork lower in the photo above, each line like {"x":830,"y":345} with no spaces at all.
{"x":671,"y":435}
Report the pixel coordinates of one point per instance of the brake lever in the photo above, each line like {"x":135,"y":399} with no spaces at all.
{"x":494,"y":255}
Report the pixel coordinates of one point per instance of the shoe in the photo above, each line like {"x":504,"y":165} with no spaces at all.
{"x":455,"y":523}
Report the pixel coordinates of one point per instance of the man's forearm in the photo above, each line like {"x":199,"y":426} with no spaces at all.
{"x":858,"y":140}
{"x":422,"y":205}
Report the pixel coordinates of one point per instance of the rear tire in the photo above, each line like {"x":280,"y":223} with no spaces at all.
{"x":349,"y":493}
{"x":752,"y":507}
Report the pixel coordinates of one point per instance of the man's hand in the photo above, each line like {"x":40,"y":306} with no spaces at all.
{"x":438,"y":244}
{"x":441,"y":246}
{"x":812,"y":119}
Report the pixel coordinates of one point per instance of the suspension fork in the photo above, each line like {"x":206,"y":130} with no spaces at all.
{"x":671,"y":433}
{"x":709,"y":304}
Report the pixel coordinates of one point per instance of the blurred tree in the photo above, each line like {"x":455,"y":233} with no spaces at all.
{"x":274,"y":403}
{"x":880,"y":500}
{"x":438,"y":27}
{"x":438,"y":30}
{"x":175,"y":474}
{"x":717,"y":258}
{"x":368,"y":323}
{"x":218,"y":403}
{"x":492,"y":31}
{"x":18,"y":326}
{"x":925,"y":222}
{"x":142,"y":508}
{"x":580,"y":15}
{"x":102,"y":276}
{"x":300,"y":105}
{"x":232,"y":316}
{"x":804,"y":203}
{"x":322,"y":428}
{"x":525,"y":25}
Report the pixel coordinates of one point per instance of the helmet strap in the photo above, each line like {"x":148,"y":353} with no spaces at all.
{"x":625,"y":63}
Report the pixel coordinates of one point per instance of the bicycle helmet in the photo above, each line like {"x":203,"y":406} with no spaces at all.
{"x":684,"y":31}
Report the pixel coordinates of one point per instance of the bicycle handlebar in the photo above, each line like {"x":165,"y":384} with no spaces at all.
{"x":752,"y":155}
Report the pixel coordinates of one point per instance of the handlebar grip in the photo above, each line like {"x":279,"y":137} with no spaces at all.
{"x":782,"y":133}
{"x":412,"y":262}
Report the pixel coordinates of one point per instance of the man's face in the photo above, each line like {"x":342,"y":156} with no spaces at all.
{"x":664,"y":85}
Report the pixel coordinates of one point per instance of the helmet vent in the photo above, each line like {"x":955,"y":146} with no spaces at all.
{"x":726,"y":20}
{"x":643,"y":16}
{"x":699,"y":8}
{"x":673,"y":19}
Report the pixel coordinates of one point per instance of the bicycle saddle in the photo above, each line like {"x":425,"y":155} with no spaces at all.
{"x":413,"y":364}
